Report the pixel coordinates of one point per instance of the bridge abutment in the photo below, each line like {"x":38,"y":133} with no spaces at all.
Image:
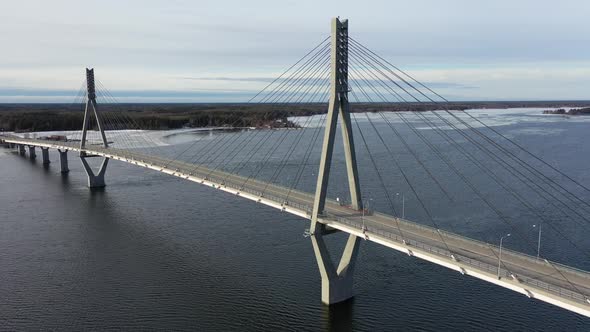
{"x":63,"y":160}
{"x":45,"y":155}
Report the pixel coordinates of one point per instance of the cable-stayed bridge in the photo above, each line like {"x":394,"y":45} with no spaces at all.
{"x":343,"y":72}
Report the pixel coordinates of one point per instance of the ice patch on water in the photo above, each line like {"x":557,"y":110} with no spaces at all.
{"x":131,"y":138}
{"x":488,"y":117}
{"x":535,"y":131}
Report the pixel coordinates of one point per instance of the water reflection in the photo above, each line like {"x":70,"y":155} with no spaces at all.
{"x":338,"y":317}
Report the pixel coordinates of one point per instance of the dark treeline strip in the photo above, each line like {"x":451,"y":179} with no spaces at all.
{"x":573,"y":111}
{"x":47,"y":117}
{"x":25,"y":118}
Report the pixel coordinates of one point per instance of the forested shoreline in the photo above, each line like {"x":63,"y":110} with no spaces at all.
{"x":48,"y":117}
{"x":573,"y":111}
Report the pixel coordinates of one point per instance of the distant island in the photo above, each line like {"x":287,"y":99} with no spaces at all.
{"x":573,"y":111}
{"x":164,"y":116}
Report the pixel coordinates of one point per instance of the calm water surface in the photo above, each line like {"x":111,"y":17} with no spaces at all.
{"x":155,"y":252}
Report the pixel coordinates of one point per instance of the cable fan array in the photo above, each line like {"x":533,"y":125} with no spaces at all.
{"x":457,"y":173}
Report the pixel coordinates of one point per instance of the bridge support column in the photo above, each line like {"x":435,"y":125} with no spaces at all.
{"x":45,"y":155}
{"x":21,"y":149}
{"x":63,"y":160}
{"x":32,"y":153}
{"x":336,"y":281}
{"x":95,"y":180}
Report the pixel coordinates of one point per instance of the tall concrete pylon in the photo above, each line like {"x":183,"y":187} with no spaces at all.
{"x":336,"y":281}
{"x":94,"y":179}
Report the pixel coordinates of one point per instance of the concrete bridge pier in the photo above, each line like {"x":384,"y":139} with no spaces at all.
{"x":95,"y":180}
{"x":21,"y":149}
{"x":45,"y":155}
{"x":63,"y":160}
{"x":32,"y":153}
{"x":336,"y":281}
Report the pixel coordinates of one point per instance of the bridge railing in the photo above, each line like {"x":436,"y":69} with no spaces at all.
{"x":490,"y":268}
{"x":484,"y":245}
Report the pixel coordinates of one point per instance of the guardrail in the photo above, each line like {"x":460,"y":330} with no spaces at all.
{"x":561,"y":291}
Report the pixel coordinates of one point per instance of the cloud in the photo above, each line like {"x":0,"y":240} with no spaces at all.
{"x":69,"y":95}
{"x":232,"y":79}
{"x":434,"y":85}
{"x":466,"y":49}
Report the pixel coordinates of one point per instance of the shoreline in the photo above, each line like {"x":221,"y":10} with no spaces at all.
{"x":25,"y":118}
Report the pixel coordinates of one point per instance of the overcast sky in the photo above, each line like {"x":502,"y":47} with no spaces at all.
{"x":168,"y":50}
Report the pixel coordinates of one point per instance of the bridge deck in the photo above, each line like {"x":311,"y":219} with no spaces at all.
{"x":560,"y":285}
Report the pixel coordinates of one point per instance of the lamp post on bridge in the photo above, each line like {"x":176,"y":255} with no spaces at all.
{"x":403,"y":205}
{"x":363,"y":213}
{"x":539,"y":239}
{"x":500,"y":256}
